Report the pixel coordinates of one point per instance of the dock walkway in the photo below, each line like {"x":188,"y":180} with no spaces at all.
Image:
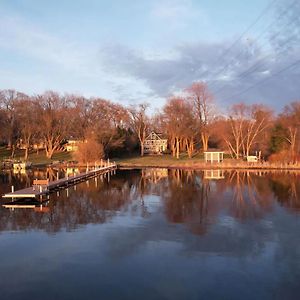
{"x":38,"y":191}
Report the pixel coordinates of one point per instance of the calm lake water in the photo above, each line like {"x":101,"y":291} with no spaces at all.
{"x":155,"y":234}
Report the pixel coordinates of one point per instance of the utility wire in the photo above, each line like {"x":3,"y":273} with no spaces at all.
{"x":260,"y":35}
{"x":224,"y":53}
{"x":266,"y":79}
{"x":258,"y":64}
{"x":252,"y":69}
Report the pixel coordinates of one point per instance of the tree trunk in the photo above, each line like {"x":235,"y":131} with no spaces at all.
{"x":49,"y":152}
{"x":13,"y":149}
{"x":189,"y":147}
{"x":142,"y":149}
{"x":204,"y":138}
{"x":177,"y":148}
{"x":173,"y":147}
{"x":26,"y":152}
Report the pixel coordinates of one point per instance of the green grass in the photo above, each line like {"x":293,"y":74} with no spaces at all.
{"x":197,"y":162}
{"x":160,"y":160}
{"x":34,"y":157}
{"x":6,"y":153}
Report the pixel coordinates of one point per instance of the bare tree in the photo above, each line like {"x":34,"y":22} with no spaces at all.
{"x":202,"y":101}
{"x":108,"y":121}
{"x":245,"y":125}
{"x":290,"y":119}
{"x":79,"y":116}
{"x":178,"y":120}
{"x":140,"y":123}
{"x":53,"y":119}
{"x":8,"y":100}
{"x":27,"y":116}
{"x":233,"y":135}
{"x":259,"y":119}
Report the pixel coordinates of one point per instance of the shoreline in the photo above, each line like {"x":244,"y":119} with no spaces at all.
{"x":210,"y":167}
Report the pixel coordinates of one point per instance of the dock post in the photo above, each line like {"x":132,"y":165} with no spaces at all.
{"x":12,"y":189}
{"x":108,"y":162}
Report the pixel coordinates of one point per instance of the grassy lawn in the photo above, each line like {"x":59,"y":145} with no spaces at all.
{"x":197,"y":162}
{"x":160,"y":161}
{"x":34,"y":157}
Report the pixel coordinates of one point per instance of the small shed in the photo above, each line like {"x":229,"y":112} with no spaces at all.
{"x":213,"y":156}
{"x":155,"y":143}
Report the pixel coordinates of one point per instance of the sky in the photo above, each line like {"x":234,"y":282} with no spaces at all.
{"x":134,"y":51}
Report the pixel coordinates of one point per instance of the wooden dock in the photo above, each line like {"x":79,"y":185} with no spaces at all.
{"x":39,"y":191}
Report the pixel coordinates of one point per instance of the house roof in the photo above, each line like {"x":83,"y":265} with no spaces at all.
{"x":159,"y":136}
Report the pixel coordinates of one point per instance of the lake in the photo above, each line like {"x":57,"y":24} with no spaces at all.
{"x":155,"y":234}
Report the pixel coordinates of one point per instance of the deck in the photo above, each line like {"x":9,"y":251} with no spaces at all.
{"x":39,"y":191}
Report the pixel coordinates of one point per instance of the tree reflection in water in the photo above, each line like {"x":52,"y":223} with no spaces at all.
{"x":186,"y":196}
{"x":189,"y":199}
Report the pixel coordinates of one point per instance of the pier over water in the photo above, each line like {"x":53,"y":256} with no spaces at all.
{"x":45,"y":187}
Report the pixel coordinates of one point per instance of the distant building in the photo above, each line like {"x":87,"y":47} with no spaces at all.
{"x":72,"y":145}
{"x":213,"y":156}
{"x":252,"y":158}
{"x":36,"y":145}
{"x":155,"y":143}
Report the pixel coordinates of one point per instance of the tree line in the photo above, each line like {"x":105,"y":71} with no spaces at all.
{"x":190,"y":119}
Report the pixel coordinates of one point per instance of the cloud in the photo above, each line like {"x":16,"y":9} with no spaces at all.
{"x":121,"y":72}
{"x":285,"y":34}
{"x":18,"y":35}
{"x":55,"y":62}
{"x":245,"y":65}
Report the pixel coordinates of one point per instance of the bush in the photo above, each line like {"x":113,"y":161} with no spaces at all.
{"x":89,"y":152}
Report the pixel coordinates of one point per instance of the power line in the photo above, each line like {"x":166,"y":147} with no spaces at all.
{"x":257,"y":65}
{"x":261,"y":34}
{"x":266,"y":79}
{"x":224,"y":53}
{"x":251,"y":25}
{"x":251,"y":69}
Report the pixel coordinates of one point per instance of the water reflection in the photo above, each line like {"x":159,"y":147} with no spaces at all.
{"x":152,"y":234}
{"x":187,"y":197}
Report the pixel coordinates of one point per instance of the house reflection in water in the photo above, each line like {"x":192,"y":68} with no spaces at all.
{"x":72,"y":171}
{"x":154,"y":174}
{"x":185,"y":196}
{"x":214,"y":174}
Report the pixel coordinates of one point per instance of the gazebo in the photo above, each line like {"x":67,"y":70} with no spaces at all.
{"x":213,"y":156}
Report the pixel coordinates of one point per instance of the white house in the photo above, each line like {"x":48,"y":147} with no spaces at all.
{"x":155,"y":143}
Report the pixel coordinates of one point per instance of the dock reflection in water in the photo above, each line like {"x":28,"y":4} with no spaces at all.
{"x":155,"y":234}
